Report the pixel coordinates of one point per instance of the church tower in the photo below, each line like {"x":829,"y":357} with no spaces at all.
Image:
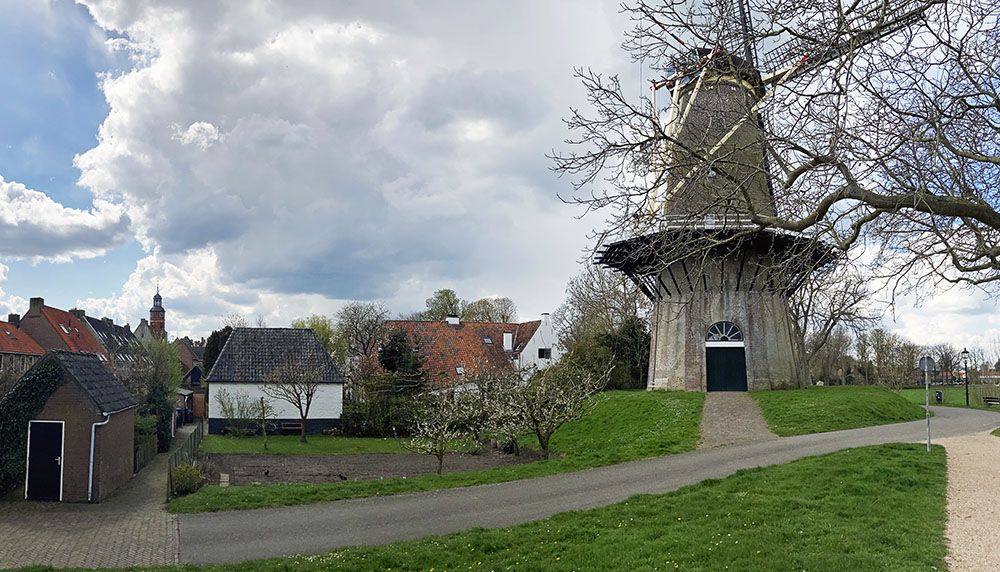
{"x":157,"y":316}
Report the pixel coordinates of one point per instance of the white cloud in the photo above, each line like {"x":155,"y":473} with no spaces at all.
{"x":199,"y":133}
{"x":325,"y":152}
{"x":33,"y":226}
{"x":9,"y":304}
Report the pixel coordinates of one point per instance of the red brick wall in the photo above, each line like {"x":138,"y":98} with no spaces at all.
{"x":113,"y":453}
{"x":40,"y":330}
{"x":70,"y":404}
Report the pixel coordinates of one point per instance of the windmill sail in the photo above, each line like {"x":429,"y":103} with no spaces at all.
{"x":816,"y":44}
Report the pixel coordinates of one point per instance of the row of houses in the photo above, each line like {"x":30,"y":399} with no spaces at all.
{"x":80,"y":443}
{"x":450,"y":349}
{"x":25,"y":338}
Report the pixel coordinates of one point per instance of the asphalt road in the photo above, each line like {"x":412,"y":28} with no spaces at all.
{"x":236,"y":536}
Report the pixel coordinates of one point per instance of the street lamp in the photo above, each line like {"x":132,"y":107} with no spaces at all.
{"x":965,"y":358}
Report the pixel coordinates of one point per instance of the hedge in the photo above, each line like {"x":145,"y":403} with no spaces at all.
{"x":17,"y":408}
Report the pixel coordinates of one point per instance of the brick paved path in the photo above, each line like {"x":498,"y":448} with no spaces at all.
{"x":732,"y":418}
{"x":129,"y":528}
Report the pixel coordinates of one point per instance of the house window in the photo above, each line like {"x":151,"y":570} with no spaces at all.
{"x":460,"y":370}
{"x":487,"y":340}
{"x":544,"y":353}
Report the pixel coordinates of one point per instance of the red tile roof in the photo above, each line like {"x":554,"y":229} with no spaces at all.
{"x":468,"y":345}
{"x":14,"y":341}
{"x":73,"y":333}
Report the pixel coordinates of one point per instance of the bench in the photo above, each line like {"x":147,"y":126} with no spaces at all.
{"x":990,"y":401}
{"x":289,"y":426}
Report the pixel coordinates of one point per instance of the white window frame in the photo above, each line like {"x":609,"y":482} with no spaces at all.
{"x":62,"y":456}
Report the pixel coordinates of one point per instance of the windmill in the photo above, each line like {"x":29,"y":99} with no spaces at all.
{"x":721,"y":283}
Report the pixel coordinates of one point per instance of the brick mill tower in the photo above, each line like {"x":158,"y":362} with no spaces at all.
{"x":720,"y":284}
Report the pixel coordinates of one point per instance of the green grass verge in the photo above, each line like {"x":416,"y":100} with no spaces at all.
{"x":873,"y":508}
{"x":953,"y":396}
{"x":997,"y":432}
{"x":820,"y":409}
{"x":292,"y":445}
{"x":622,"y":426}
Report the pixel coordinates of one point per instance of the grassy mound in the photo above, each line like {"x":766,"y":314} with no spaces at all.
{"x":621,"y":426}
{"x":820,"y":409}
{"x":872,"y":508}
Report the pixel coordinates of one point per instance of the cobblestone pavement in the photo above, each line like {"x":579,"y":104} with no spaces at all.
{"x":973,"y":512}
{"x":129,"y":528}
{"x":730,"y":418}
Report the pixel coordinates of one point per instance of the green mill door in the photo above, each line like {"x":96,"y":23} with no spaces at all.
{"x":725,"y":358}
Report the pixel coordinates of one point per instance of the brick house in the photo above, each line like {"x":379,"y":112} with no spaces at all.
{"x":18,"y":351}
{"x":56,"y":329}
{"x":80,"y":444}
{"x":451,"y":348}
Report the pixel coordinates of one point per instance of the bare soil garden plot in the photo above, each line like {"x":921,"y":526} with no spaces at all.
{"x":274,"y":469}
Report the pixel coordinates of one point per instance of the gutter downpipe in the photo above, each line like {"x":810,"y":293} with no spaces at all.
{"x":90,"y":472}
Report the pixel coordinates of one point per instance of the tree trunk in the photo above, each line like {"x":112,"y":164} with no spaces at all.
{"x":543,"y":442}
{"x":302,"y":436}
{"x":440,"y":458}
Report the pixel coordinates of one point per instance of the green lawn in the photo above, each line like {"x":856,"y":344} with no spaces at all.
{"x":954,"y":396}
{"x":292,"y":445}
{"x":622,"y":426}
{"x":820,"y":409}
{"x":873,"y":508}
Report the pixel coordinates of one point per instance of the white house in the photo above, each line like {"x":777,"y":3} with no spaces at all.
{"x":250,"y":355}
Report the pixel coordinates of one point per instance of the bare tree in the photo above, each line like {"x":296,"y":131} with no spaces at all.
{"x":598,"y":302}
{"x":865,"y":124}
{"x":831,"y":301}
{"x":360,"y":325}
{"x":239,"y":411}
{"x":235,"y":320}
{"x":947,"y":359}
{"x":265,"y":416}
{"x":295,"y":383}
{"x":495,"y":309}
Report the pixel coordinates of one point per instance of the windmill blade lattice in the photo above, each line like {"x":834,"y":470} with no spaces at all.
{"x":862,"y":23}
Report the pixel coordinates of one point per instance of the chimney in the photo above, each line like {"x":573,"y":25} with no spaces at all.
{"x":78,"y":313}
{"x":452,"y":320}
{"x":14,"y":319}
{"x":35,"y":305}
{"x":108,"y":321}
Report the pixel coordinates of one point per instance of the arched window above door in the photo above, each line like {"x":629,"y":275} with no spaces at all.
{"x":724,"y":332}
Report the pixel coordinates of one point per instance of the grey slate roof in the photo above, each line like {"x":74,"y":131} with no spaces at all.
{"x":250,"y":354}
{"x":119,"y":341}
{"x":96,"y":379}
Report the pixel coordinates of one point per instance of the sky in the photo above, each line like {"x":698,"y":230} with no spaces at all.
{"x":279,"y":159}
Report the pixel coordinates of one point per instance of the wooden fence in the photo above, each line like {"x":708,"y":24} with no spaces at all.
{"x":145,"y":451}
{"x":186,"y":453}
